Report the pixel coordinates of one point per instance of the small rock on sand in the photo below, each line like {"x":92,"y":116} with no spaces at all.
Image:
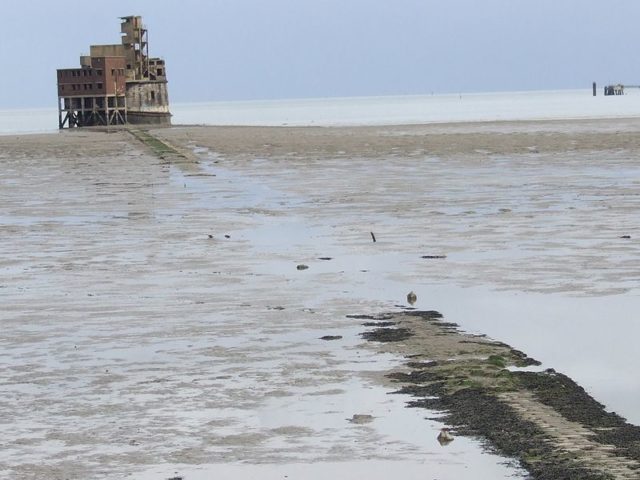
{"x":361,"y":419}
{"x":331,"y":337}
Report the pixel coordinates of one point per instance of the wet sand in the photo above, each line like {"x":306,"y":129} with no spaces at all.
{"x":155,"y":320}
{"x":531,"y":216}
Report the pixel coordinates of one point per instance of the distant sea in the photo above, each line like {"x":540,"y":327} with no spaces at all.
{"x":389,"y":110}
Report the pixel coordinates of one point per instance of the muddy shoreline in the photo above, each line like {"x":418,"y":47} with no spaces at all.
{"x":478,"y":387}
{"x":155,"y":277}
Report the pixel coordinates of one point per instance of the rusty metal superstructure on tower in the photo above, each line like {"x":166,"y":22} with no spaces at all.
{"x":115,"y":84}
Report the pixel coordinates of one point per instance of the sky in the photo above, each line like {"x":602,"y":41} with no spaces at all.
{"x":225,"y":50}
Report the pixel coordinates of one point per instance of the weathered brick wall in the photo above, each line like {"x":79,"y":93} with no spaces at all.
{"x":148,"y":97}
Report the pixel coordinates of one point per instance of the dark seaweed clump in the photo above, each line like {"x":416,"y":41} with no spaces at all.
{"x":370,"y":317}
{"x":379,"y":324}
{"x":386,"y":334}
{"x":426,"y":314}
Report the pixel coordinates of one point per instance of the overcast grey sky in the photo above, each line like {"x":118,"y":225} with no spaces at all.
{"x":265,"y":49}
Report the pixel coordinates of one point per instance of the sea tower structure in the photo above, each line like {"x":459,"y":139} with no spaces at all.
{"x":115,"y":84}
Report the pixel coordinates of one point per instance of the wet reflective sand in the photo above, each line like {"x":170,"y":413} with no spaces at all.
{"x":135,"y":343}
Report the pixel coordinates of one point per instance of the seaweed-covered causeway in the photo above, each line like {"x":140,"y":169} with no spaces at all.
{"x":541,"y":418}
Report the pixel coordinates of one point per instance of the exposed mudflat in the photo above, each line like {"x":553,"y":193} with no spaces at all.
{"x":155,"y":322}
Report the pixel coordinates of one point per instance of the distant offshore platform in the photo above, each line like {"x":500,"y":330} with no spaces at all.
{"x":617,"y":89}
{"x":115,"y":84}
